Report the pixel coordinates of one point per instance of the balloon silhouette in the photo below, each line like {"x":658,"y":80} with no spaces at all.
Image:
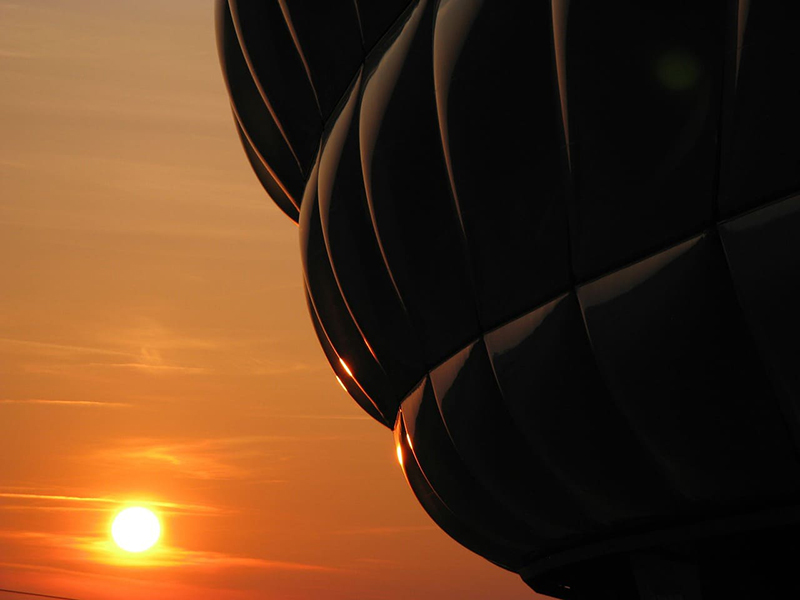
{"x":555,"y":246}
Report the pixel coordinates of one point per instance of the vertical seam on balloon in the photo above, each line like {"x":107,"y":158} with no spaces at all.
{"x":559,"y":49}
{"x":288,"y":207}
{"x":360,"y":27}
{"x":225,"y":6}
{"x":460,"y":525}
{"x":742,"y":12}
{"x":287,"y":17}
{"x":441,"y":117}
{"x":260,"y":156}
{"x":351,"y":97}
{"x":337,"y":367}
{"x":391,"y":26}
{"x":729,"y":70}
{"x":259,"y":87}
{"x":526,"y":517}
{"x":307,"y":215}
{"x":367,"y":180}
{"x":374,"y":225}
{"x":560,"y":58}
{"x":784,"y":406}
{"x":653,"y":456}
{"x":471,"y":482}
{"x":357,"y":80}
{"x":342,"y":318}
{"x":354,"y":92}
{"x":230,"y":87}
{"x":568,"y":486}
{"x":366,"y":52}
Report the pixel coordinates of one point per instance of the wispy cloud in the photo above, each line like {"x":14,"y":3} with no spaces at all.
{"x":242,"y":457}
{"x":150,"y":347}
{"x":13,"y":164}
{"x":148,"y":367}
{"x":150,"y":338}
{"x":104,"y":550}
{"x":217,"y":459}
{"x":75,"y":403}
{"x":386,"y":530}
{"x":58,"y":502}
{"x":141,"y":350}
{"x":6,"y":53}
{"x":156,"y":230}
{"x":50,"y":508}
{"x":325,"y":417}
{"x":63,"y":348}
{"x":181,"y":557}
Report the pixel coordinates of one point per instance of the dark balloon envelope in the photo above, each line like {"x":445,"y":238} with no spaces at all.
{"x":555,"y":247}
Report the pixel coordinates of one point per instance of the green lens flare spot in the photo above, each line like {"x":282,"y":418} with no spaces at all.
{"x":678,"y":70}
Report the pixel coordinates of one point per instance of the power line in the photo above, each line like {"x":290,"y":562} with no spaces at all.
{"x":36,"y":595}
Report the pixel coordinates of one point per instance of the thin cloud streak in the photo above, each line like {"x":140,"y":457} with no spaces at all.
{"x":145,"y":230}
{"x":65,"y":347}
{"x":15,"y":54}
{"x":14,"y":164}
{"x":208,"y":459}
{"x":146,"y":367}
{"x":388,"y":530}
{"x":90,"y":403}
{"x":110,"y":501}
{"x":51,"y":508}
{"x":105,"y":551}
{"x":325,"y":417}
{"x":168,"y":588}
{"x":179,"y":557}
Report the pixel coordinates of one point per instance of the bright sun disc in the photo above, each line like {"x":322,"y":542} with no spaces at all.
{"x":135,"y":529}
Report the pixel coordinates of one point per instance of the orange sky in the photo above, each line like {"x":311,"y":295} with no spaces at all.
{"x":155,"y":347}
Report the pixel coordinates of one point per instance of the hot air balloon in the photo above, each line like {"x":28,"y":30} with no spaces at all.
{"x":555,"y":247}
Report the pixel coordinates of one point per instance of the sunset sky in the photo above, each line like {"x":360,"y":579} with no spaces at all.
{"x":155,"y":348}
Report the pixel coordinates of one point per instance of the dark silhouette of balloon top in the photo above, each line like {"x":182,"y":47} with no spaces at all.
{"x":555,"y":246}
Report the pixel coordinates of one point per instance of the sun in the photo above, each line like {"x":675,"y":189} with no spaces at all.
{"x":135,"y":529}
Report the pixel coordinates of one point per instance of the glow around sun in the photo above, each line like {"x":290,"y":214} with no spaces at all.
{"x":135,"y":529}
